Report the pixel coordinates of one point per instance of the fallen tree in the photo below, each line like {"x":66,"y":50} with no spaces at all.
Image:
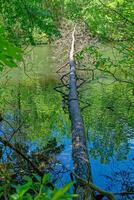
{"x":79,"y":147}
{"x":84,"y":186}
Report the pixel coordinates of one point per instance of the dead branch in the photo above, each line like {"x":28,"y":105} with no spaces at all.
{"x":27,"y":158}
{"x":109,"y":195}
{"x":63,"y":66}
{"x":114,"y":76}
{"x":56,"y":88}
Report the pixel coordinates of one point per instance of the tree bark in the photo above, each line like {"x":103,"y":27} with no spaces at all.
{"x":79,"y":145}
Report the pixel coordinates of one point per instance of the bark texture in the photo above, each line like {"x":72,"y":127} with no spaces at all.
{"x":79,"y":145}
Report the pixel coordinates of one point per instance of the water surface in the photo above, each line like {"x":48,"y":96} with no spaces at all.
{"x":28,"y":98}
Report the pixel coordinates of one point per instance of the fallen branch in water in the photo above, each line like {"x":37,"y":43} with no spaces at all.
{"x":109,"y":195}
{"x":7,"y":143}
{"x":63,"y":66}
{"x":79,"y":143}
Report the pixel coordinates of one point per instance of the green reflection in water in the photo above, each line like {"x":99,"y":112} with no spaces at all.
{"x":109,"y":119}
{"x":29,"y":97}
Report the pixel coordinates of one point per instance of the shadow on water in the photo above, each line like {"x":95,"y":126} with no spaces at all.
{"x":33,"y":104}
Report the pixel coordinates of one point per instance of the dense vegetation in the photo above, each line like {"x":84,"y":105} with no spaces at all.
{"x":33,"y":115}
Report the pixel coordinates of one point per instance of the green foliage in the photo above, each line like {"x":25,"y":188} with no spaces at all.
{"x":110,"y":94}
{"x":109,"y":120}
{"x":45,"y":115}
{"x":21,"y":22}
{"x":110,"y":19}
{"x":41,"y":113}
{"x":22,"y":18}
{"x":56,"y":7}
{"x":10,"y":55}
{"x":73,"y":10}
{"x":36,"y":188}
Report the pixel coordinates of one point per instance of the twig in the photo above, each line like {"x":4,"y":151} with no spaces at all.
{"x":24,"y":66}
{"x":9,"y":124}
{"x":116,"y":78}
{"x":15,"y":131}
{"x":86,"y":106}
{"x":56,"y":89}
{"x":62,"y":78}
{"x":83,"y":81}
{"x":63,"y":66}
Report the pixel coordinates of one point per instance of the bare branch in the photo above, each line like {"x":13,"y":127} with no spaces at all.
{"x":109,"y":195}
{"x":116,"y":78}
{"x":63,"y":66}
{"x":28,"y":159}
{"x":56,"y":89}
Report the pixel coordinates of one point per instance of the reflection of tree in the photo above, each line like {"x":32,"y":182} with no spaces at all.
{"x":110,"y":120}
{"x":124,"y":179}
{"x":21,"y":159}
{"x":41,"y":111}
{"x":105,"y":145}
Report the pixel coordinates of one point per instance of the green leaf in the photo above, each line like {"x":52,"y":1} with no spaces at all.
{"x":1,"y":189}
{"x":1,"y":193}
{"x":97,"y":64}
{"x":9,"y":53}
{"x":28,"y":197}
{"x":45,"y":178}
{"x":60,"y":193}
{"x":14,"y":197}
{"x":22,"y":189}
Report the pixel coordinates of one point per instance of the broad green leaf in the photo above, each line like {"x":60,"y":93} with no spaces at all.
{"x":22,"y":189}
{"x":14,"y":197}
{"x":60,"y":193}
{"x":28,"y":197}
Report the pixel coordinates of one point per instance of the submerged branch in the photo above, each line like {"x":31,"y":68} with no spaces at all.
{"x":7,"y":143}
{"x":109,"y":195}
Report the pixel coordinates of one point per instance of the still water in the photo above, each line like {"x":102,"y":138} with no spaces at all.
{"x":29,"y":100}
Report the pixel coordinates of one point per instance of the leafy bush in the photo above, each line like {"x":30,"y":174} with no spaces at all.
{"x":37,"y":188}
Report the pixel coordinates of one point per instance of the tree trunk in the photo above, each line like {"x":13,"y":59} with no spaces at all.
{"x":79,"y":145}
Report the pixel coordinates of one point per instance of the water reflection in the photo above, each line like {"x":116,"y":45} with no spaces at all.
{"x":115,"y":175}
{"x":111,"y":150}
